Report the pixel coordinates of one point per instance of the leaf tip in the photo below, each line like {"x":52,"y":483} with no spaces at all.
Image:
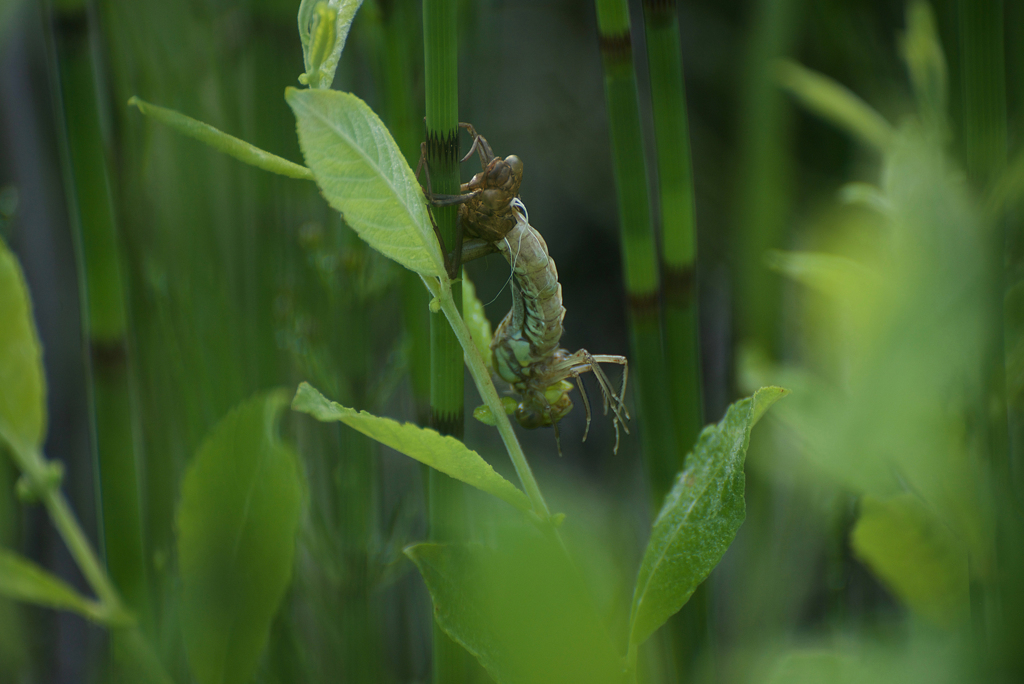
{"x":305,"y":394}
{"x":763,"y":400}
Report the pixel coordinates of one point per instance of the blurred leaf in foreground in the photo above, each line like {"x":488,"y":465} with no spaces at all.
{"x":896,"y":388}
{"x":22,"y":383}
{"x":23,"y":580}
{"x":520,"y":609}
{"x":241,"y":500}
{"x":916,"y":556}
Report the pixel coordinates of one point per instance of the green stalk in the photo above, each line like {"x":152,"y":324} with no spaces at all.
{"x":398,"y":29}
{"x":654,"y":404}
{"x":481,"y":375}
{"x":983,"y":83}
{"x":678,"y":217}
{"x":763,"y":187}
{"x":445,"y":497}
{"x":640,"y":261}
{"x":689,"y":628}
{"x":104,"y":311}
{"x":43,"y":478}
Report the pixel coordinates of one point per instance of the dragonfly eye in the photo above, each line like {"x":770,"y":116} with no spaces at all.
{"x":515,"y":164}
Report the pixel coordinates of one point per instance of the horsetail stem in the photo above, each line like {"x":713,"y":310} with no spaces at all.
{"x":689,"y":631}
{"x":638,"y":249}
{"x":104,"y":312}
{"x":445,"y":496}
{"x":678,"y":218}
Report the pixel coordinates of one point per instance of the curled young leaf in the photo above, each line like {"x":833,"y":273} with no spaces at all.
{"x":323,"y":29}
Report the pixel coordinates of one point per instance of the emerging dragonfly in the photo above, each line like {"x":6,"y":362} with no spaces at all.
{"x":525,"y":349}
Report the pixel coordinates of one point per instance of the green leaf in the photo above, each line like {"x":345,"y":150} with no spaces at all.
{"x":699,"y":518}
{"x":362,"y":173}
{"x":218,"y":140}
{"x":323,"y":29}
{"x":22,"y":383}
{"x":814,"y":667}
{"x":241,"y":501}
{"x":135,"y":660}
{"x":23,"y":580}
{"x":922,"y":51}
{"x":441,"y":452}
{"x":520,"y":610}
{"x":476,"y":319}
{"x":835,"y":103}
{"x":916,"y":556}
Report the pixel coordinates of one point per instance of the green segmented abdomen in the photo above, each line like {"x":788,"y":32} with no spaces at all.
{"x":533,"y":328}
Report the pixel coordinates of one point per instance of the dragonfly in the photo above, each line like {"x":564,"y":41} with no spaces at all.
{"x":525,"y":349}
{"x":485,"y":212}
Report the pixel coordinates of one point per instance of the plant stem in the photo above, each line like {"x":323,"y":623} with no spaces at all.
{"x":399,"y":28}
{"x":38,"y":473}
{"x":638,"y":249}
{"x":763,"y":188}
{"x":983,"y":83}
{"x":104,"y":312}
{"x":446,"y":504}
{"x":481,"y":375}
{"x":678,"y":217}
{"x":688,"y":630}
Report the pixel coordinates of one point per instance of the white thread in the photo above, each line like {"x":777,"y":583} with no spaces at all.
{"x":515,"y":258}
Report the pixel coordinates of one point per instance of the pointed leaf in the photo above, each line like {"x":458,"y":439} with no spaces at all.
{"x":362,"y":173}
{"x":835,"y":103}
{"x":699,"y":518}
{"x":926,"y":63}
{"x":441,"y":452}
{"x":23,"y":580}
{"x":22,"y":383}
{"x":916,"y":556}
{"x":221,"y":141}
{"x":241,"y":500}
{"x":323,"y":29}
{"x":520,"y":610}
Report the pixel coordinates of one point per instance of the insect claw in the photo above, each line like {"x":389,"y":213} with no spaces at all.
{"x":472,"y":149}
{"x":586,"y":400}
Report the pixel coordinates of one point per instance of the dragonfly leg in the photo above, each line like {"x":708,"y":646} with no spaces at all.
{"x":439,"y":200}
{"x":586,"y":400}
{"x":621,"y":360}
{"x":479,"y":145}
{"x":476,"y":248}
{"x":452,"y":261}
{"x":583,"y":362}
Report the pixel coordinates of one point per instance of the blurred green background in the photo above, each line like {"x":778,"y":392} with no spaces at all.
{"x":203,"y":281}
